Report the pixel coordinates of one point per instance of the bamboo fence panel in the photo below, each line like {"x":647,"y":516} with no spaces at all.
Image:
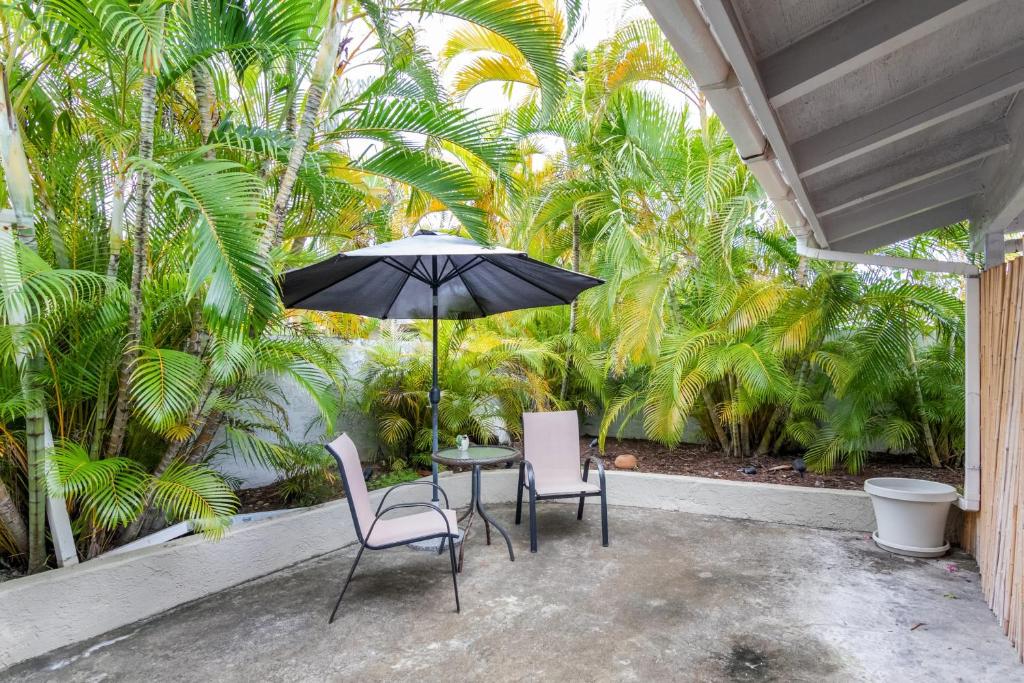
{"x":995,"y":534}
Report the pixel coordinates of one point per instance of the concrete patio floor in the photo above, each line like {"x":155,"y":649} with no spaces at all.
{"x":675,"y":597}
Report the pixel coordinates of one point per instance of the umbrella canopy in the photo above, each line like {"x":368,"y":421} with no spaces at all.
{"x":398,"y":279}
{"x":431,"y":276}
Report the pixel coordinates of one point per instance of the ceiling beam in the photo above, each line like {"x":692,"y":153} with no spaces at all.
{"x":863,"y":36}
{"x":954,"y":152}
{"x":968,"y":89}
{"x":1004,"y":200}
{"x":890,"y":233}
{"x":902,"y":204}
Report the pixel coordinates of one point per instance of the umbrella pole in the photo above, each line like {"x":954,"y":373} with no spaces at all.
{"x":435,"y":390}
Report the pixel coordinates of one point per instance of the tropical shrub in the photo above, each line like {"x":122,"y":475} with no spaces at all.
{"x":487,"y":381}
{"x":162,"y":160}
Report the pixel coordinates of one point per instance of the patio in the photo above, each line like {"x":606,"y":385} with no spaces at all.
{"x":675,"y":597}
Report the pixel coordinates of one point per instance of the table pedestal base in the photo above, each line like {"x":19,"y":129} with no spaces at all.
{"x":476,"y":506}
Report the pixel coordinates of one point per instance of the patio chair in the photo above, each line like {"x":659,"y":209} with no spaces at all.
{"x":551,"y":468}
{"x":375,"y":532}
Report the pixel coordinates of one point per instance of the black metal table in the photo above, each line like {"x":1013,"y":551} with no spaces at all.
{"x":476,"y":457}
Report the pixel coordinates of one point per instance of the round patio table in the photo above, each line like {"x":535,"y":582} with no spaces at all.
{"x":476,"y":457}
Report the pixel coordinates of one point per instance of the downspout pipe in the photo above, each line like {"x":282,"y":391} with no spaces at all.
{"x":971,"y":499}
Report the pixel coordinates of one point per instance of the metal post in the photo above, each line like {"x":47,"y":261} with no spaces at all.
{"x":971,"y":500}
{"x":435,"y":390}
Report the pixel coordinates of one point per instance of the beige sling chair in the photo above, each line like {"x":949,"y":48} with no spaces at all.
{"x":375,"y":532}
{"x":551,"y":468}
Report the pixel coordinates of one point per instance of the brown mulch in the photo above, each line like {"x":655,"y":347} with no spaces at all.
{"x":700,"y":461}
{"x":266,"y":499}
{"x":695,"y":461}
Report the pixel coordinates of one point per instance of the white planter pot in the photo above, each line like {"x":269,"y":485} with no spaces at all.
{"x":911,"y":515}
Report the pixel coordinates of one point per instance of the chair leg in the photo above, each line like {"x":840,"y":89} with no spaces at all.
{"x":533,"y":520}
{"x":455,"y":581}
{"x":579,"y":512}
{"x":604,"y":518}
{"x":440,"y":548}
{"x":347,"y":581}
{"x":519,"y":493}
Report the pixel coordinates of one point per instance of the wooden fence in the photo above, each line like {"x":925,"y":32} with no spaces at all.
{"x":995,"y":534}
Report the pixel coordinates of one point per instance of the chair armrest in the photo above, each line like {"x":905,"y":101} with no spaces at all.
{"x":413,"y":483}
{"x":600,"y":468}
{"x":531,"y":479}
{"x":400,"y":506}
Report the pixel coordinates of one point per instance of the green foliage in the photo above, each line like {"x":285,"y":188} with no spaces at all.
{"x":392,"y":478}
{"x":708,"y":317}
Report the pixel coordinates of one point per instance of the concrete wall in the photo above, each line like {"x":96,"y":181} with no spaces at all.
{"x":46,"y":611}
{"x":304,"y":424}
{"x":634,"y":429}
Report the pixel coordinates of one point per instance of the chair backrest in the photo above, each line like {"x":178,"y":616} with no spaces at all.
{"x":551,"y":442}
{"x":344,"y":451}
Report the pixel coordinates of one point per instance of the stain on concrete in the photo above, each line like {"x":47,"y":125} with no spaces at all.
{"x":747,"y":664}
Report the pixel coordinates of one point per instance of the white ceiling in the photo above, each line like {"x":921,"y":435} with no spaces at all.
{"x":898,"y":116}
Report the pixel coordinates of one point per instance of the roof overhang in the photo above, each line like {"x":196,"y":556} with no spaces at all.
{"x":867,"y":122}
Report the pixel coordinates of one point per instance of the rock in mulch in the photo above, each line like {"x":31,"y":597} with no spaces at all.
{"x":626,"y":461}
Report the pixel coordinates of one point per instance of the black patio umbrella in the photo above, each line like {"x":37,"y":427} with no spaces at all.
{"x":435,"y":276}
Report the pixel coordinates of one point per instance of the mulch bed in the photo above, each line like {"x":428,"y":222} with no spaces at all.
{"x":697,"y":461}
{"x":265,"y":499}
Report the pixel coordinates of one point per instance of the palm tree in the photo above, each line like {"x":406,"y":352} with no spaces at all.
{"x":206,"y":126}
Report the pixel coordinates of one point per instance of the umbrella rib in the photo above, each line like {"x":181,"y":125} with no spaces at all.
{"x":410,"y":272}
{"x":398,"y":292}
{"x":445,"y":274}
{"x":472,"y":295}
{"x":426,"y":277}
{"x":530,"y":282}
{"x":459,"y":272}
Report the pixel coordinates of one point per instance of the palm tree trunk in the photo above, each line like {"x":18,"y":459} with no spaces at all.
{"x":733,"y":435}
{"x":15,"y":165}
{"x":202,"y":443}
{"x":926,"y":429}
{"x":35,"y":407}
{"x":318,"y":84}
{"x":116,"y":223}
{"x":140,"y":255}
{"x":574,"y":305}
{"x":779,"y":415}
{"x":116,"y":232}
{"x":19,"y":189}
{"x":202,"y":85}
{"x":766,"y":437}
{"x":35,"y":447}
{"x":709,"y":404}
{"x":10,"y":519}
{"x":150,"y":521}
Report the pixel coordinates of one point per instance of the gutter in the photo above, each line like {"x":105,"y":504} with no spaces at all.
{"x":970,"y":501}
